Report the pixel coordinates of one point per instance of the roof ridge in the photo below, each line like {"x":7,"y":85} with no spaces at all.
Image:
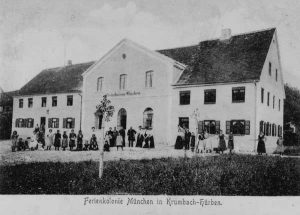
{"x":60,"y":67}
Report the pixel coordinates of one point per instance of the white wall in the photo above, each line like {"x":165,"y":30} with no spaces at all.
{"x":223,"y":110}
{"x":37,"y":111}
{"x":135,"y":65}
{"x":269,"y":83}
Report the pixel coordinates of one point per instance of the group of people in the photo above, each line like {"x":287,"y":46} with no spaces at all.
{"x":142,"y":139}
{"x":204,"y":141}
{"x":75,"y":142}
{"x":207,"y":143}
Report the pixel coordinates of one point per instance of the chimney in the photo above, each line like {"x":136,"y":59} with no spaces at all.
{"x":225,"y":34}
{"x":69,"y":62}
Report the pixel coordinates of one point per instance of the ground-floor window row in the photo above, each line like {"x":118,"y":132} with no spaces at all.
{"x":52,"y":123}
{"x":237,"y":127}
{"x":270,"y":129}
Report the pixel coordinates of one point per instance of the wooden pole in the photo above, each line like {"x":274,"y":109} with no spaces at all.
{"x":101,"y":145}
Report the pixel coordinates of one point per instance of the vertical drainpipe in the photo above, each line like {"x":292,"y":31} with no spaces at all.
{"x":255,"y":115}
{"x":80,"y":111}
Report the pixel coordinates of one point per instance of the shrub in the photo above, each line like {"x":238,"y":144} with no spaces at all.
{"x":222,"y":175}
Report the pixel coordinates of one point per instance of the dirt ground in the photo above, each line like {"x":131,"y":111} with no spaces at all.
{"x":10,"y":158}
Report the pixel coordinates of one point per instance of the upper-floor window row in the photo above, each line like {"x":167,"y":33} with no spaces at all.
{"x":44,"y":101}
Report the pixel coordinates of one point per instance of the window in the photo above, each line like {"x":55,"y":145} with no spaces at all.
{"x":184,"y":122}
{"x":238,"y":94}
{"x":276,"y":75}
{"x":44,"y":101}
{"x":270,"y":68}
{"x":53,"y":123}
{"x":123,"y":79}
{"x":30,"y":102}
{"x":149,"y":79}
{"x":273,"y":102}
{"x":20,"y":123}
{"x":69,"y":123}
{"x":238,"y":127}
{"x":99,"y":84}
{"x":279,"y":101}
{"x":262,"y":95}
{"x":210,"y":96}
{"x":69,"y":100}
{"x":211,"y":126}
{"x":54,"y":101}
{"x":20,"y":103}
{"x":184,"y":97}
{"x":29,"y":123}
{"x":268,"y":99}
{"x":147,"y":118}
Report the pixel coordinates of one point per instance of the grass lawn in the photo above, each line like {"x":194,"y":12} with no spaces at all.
{"x":220,"y":175}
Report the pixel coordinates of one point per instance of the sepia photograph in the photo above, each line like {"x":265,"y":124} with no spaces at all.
{"x":174,"y":104}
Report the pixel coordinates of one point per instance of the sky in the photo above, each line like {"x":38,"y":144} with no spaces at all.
{"x":40,"y":34}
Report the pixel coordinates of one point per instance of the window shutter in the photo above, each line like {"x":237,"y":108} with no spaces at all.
{"x":261,"y":126}
{"x":32,"y":123}
{"x":25,"y":123}
{"x":64,"y":122}
{"x":200,"y":127}
{"x":218,"y":126}
{"x":17,"y":123}
{"x":227,"y":127}
{"x":50,"y":123}
{"x":73,"y":122}
{"x":57,"y":124}
{"x":247,"y":127}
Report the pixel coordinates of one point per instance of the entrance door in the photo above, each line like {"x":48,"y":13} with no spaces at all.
{"x":122,"y":118}
{"x":43,"y":123}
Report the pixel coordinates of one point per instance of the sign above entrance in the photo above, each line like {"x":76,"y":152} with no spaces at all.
{"x":128,"y":93}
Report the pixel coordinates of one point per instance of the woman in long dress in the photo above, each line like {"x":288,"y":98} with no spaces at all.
{"x":180,"y":138}
{"x":79,"y":141}
{"x":64,"y":143}
{"x":72,"y":138}
{"x":151,"y":140}
{"x":230,"y":142}
{"x":119,"y":141}
{"x":49,"y":140}
{"x":139,"y":138}
{"x":57,"y":140}
{"x":261,"y":147}
{"x":14,"y":140}
{"x":222,"y":143}
{"x":146,"y":140}
{"x":280,"y":147}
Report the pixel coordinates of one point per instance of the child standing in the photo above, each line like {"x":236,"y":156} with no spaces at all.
{"x":119,"y":141}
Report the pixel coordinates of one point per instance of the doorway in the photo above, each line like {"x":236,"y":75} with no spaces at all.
{"x":122,"y":118}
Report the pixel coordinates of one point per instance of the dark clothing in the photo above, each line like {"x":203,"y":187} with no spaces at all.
{"x":72,"y":137}
{"x":193,"y":141}
{"x":230,"y":142}
{"x":79,"y":142}
{"x":146,"y":140}
{"x":179,"y":142}
{"x":261,"y":148}
{"x":114,"y":137}
{"x":222,"y":143}
{"x":131,"y":134}
{"x":57,"y":139}
{"x":139,"y":140}
{"x":151,"y":142}
{"x":64,"y":143}
{"x":106,"y":146}
{"x":93,"y":144}
{"x":187,"y":138}
{"x":122,"y":133}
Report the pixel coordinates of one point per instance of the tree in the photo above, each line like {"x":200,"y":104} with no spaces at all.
{"x":292,"y":106}
{"x":107,"y":112}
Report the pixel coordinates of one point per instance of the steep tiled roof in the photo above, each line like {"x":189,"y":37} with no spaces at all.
{"x":56,"y":80}
{"x":239,"y":59}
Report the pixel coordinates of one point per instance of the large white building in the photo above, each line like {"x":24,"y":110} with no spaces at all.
{"x":233,"y":83}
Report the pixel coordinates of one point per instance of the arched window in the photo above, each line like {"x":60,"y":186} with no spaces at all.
{"x":98,"y":119}
{"x":147,"y":118}
{"x":122,"y":118}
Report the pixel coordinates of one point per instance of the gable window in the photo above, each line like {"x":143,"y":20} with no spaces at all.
{"x":184,"y":122}
{"x":69,"y":100}
{"x":184,"y":97}
{"x":279,"y":101}
{"x":53,"y":122}
{"x":270,"y":68}
{"x":262,"y":95}
{"x":273,"y":102}
{"x":149,"y":79}
{"x":69,"y":123}
{"x":268,"y":99}
{"x":99,"y":84}
{"x":238,"y":94}
{"x":20,"y":103}
{"x":30,"y":102}
{"x":44,"y":101}
{"x":54,"y":101}
{"x":210,"y":96}
{"x":123,"y":80}
{"x":276,"y":77}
